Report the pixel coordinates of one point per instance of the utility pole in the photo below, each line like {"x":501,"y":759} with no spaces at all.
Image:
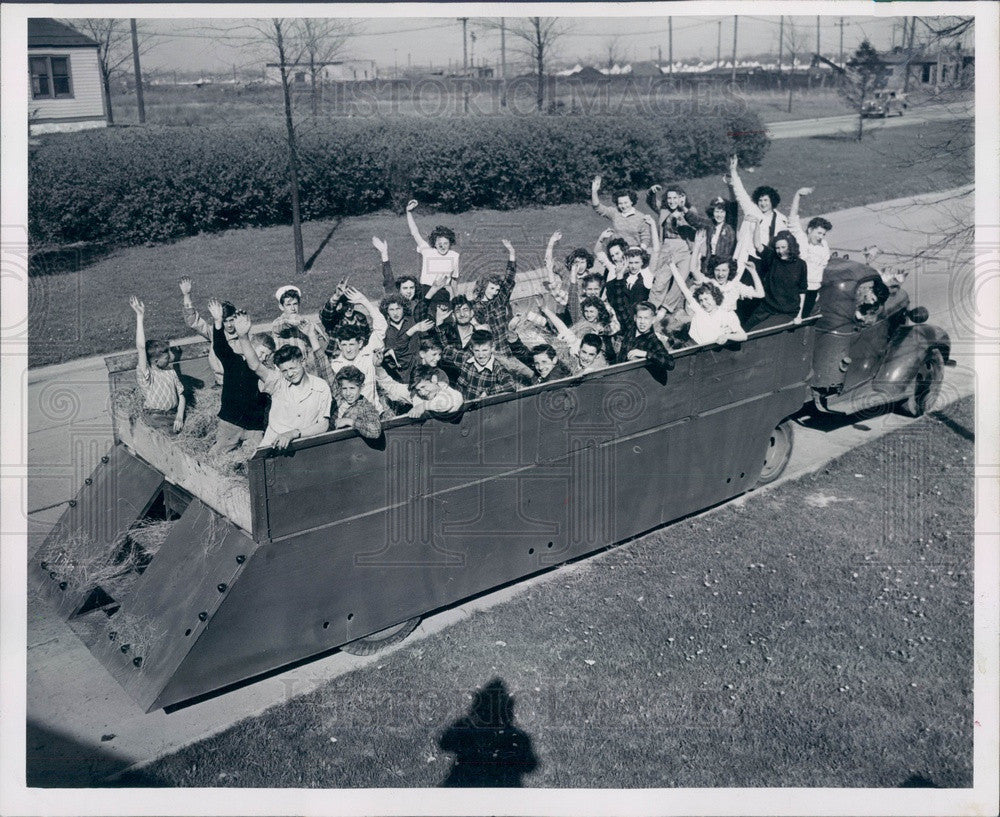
{"x":718,"y":45}
{"x":670,"y":43}
{"x":503,"y":64}
{"x":736,"y":20}
{"x":138,"y":73}
{"x":841,"y":42}
{"x":781,"y":41}
{"x":817,"y":34}
{"x":465,"y":47}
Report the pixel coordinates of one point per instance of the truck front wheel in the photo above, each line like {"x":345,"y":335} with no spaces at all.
{"x":925,"y":388}
{"x":778,"y":453}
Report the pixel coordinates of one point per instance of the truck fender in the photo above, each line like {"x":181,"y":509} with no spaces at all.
{"x":907,"y":352}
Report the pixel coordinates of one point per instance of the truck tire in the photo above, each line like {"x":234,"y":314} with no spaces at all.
{"x":371,"y":644}
{"x":778,"y":453}
{"x":925,"y":388}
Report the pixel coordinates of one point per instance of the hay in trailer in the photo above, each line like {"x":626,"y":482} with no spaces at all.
{"x":84,"y":563}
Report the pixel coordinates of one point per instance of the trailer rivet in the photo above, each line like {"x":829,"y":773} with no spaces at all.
{"x":222,"y":587}
{"x":202,"y":616}
{"x":45,"y":565}
{"x":137,"y":661}
{"x":125,"y":647}
{"x":112,"y":635}
{"x":104,"y":460}
{"x":52,"y":574}
{"x":72,"y":503}
{"x":88,"y":481}
{"x":240,"y":559}
{"x":62,"y":585}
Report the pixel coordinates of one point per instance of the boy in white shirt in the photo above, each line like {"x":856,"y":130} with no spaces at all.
{"x":431,"y":394}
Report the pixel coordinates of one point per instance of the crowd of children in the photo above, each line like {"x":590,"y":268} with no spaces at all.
{"x":653,"y":283}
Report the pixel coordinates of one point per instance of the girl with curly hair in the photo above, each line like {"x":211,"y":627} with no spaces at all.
{"x":785,"y":284}
{"x":437,"y":253}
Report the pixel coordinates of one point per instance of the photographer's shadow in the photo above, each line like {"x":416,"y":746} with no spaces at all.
{"x":489,"y":750}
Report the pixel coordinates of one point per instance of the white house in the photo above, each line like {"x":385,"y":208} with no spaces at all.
{"x":65,"y":91}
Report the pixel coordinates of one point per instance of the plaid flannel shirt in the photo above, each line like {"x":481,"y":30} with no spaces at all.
{"x":365,"y":416}
{"x":496,"y":313}
{"x":475,"y":382}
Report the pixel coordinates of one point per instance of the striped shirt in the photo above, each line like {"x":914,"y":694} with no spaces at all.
{"x":161,"y":389}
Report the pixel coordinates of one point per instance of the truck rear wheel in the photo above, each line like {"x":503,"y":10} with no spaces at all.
{"x":925,"y":388}
{"x":371,"y":644}
{"x":778,"y":453}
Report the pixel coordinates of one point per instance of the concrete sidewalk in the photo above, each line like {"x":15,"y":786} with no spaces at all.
{"x":82,"y":728}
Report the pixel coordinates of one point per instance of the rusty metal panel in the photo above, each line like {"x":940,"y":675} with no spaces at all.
{"x":172,"y":603}
{"x":118,"y":492}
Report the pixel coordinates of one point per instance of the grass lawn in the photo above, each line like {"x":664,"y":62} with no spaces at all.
{"x":819,"y":634}
{"x":83,"y":313}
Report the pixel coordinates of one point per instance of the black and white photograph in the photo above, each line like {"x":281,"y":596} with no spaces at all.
{"x":410,"y":410}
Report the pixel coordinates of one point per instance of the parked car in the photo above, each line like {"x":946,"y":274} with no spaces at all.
{"x":885,"y":103}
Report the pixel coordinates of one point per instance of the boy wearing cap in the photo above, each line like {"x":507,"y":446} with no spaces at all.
{"x":291,"y":328}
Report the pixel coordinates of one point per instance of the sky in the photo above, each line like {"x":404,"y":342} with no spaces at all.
{"x":203,"y":45}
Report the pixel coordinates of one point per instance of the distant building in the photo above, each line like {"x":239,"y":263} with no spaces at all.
{"x":946,"y":68}
{"x":65,"y":91}
{"x":300,"y":74}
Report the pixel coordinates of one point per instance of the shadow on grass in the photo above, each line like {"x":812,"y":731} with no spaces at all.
{"x":322,"y":245}
{"x":490,"y":751}
{"x":918,"y":781}
{"x":958,"y":428}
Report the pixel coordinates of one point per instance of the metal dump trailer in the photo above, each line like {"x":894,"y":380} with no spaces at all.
{"x":342,"y":538}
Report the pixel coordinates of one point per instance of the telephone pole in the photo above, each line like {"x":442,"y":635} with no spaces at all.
{"x":909,"y":54}
{"x":670,"y":43}
{"x":138,"y":73}
{"x":841,"y":42}
{"x":817,"y":34}
{"x":503,"y":64}
{"x":718,"y":46}
{"x":736,"y":20}
{"x":465,"y":47}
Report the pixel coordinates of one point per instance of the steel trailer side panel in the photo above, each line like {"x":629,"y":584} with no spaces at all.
{"x":460,"y":523}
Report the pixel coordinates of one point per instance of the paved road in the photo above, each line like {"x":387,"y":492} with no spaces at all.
{"x":73,"y":702}
{"x":831,"y":125}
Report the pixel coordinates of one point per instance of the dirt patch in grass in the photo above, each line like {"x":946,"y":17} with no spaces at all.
{"x":819,"y":634}
{"x":86,"y":312}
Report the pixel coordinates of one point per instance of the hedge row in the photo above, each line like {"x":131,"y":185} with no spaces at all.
{"x":133,"y":186}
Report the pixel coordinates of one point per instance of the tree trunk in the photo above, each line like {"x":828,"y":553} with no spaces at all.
{"x":540,"y":65}
{"x":293,"y":157}
{"x":106,"y":80}
{"x":312,"y":77}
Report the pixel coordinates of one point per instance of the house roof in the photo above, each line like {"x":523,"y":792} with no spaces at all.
{"x":44,"y":32}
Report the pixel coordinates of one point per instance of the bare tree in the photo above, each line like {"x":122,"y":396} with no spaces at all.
{"x":614,"y":52}
{"x":535,"y":40}
{"x":865,"y":73}
{"x":114,"y":50}
{"x":797,"y":43}
{"x":322,"y":41}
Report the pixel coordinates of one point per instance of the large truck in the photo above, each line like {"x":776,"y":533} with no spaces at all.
{"x":342,"y":542}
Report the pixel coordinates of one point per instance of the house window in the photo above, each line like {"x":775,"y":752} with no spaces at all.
{"x":50,"y":78}
{"x":925,"y":74}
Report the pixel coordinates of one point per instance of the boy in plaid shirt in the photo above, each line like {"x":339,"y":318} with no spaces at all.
{"x":161,"y":389}
{"x":353,"y":409}
{"x":491,"y":300}
{"x":483,"y":375}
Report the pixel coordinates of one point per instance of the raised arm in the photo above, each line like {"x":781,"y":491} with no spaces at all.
{"x":595,"y":191}
{"x":562,"y":330}
{"x":142,"y":366}
{"x":241,"y":326}
{"x":379,"y":325}
{"x":388,"y":280}
{"x":654,"y":198}
{"x":692,"y":304}
{"x":698,"y":252}
{"x":191,"y":317}
{"x":220,"y":345}
{"x":794,"y":222}
{"x":750,"y":210}
{"x":550,"y":264}
{"x":758,"y":287}
{"x":654,"y":241}
{"x":511,"y":276}
{"x":412,"y":224}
